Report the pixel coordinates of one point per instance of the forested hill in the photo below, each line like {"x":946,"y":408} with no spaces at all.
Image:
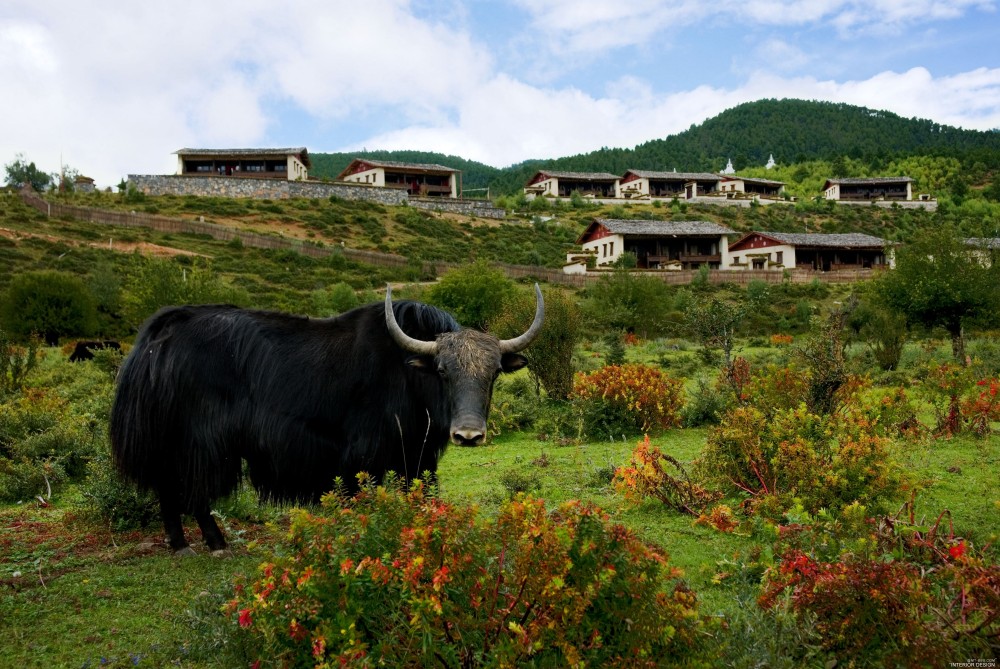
{"x":792,"y":130}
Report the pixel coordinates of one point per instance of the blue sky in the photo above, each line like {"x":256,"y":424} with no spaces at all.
{"x":115,"y":88}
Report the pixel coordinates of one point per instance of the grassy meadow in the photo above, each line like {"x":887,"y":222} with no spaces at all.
{"x":75,"y":592}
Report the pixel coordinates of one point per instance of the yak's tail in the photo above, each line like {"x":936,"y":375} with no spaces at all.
{"x":137,"y":447}
{"x":162,"y":437}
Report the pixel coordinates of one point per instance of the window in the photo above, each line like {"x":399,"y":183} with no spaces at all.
{"x":611,"y":248}
{"x":604,"y":250}
{"x":780,"y":257}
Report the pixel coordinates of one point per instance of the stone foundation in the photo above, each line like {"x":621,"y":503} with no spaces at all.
{"x":260,"y":189}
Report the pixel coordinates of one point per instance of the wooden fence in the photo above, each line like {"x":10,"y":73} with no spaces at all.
{"x":167,"y":224}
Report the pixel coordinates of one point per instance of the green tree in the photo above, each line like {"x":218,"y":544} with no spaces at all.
{"x":16,"y":362}
{"x":940,"y":281}
{"x":474,"y":294}
{"x":881,"y":328}
{"x":992,"y":192}
{"x":153,"y":283}
{"x":550,"y":356}
{"x":715,"y":322}
{"x":822,"y":352}
{"x":21,"y":173}
{"x":50,"y":304}
{"x":335,"y":299}
{"x":623,"y":301}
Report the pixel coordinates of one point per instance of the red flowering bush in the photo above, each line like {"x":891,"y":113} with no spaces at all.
{"x":628,"y":399}
{"x":648,"y":475}
{"x":913,"y":595}
{"x":393,"y":578}
{"x":982,"y":407}
{"x":961,"y":402}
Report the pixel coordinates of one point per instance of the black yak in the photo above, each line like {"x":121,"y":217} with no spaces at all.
{"x":84,"y":350}
{"x":300,"y":400}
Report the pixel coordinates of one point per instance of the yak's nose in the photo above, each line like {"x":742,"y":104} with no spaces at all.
{"x":468,"y":436}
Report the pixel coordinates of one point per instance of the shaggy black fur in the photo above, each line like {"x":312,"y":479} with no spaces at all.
{"x":300,"y":400}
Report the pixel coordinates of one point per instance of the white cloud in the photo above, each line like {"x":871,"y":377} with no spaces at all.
{"x":131,"y":86}
{"x":533,"y":122}
{"x":589,"y":26}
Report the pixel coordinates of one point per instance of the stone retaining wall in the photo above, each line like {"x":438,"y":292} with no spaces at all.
{"x":280,"y":189}
{"x":249,"y":187}
{"x":480,"y":208}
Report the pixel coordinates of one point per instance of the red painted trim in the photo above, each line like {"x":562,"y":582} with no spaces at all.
{"x":755,"y":241}
{"x":594,"y":232}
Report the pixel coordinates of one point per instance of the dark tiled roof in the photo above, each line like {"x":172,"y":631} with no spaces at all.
{"x":873,"y":181}
{"x":680,"y":176}
{"x":753,"y":180}
{"x":991,"y":243}
{"x":426,"y":167}
{"x":664,"y":228}
{"x":838,"y":240}
{"x":585,"y":176}
{"x":248,"y":153}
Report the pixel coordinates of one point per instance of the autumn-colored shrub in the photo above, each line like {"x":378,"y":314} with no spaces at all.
{"x":961,"y":402}
{"x":628,"y":399}
{"x":893,"y":415}
{"x":781,"y":339}
{"x":402,"y":579}
{"x":982,"y":408}
{"x":648,"y":474}
{"x":720,"y":517}
{"x":771,"y":388}
{"x":907,"y":593}
{"x":825,"y":461}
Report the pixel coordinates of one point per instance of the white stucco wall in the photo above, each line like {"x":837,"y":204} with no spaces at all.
{"x":296,"y":169}
{"x":374,"y":176}
{"x":606,"y":249}
{"x":769,"y":252}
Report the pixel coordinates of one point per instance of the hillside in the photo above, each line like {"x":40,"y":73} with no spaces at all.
{"x":795,"y":131}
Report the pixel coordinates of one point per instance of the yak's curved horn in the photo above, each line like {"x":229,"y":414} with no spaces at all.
{"x":520,"y":343}
{"x":404,"y":340}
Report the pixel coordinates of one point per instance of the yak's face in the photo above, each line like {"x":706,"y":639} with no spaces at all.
{"x":468,"y":362}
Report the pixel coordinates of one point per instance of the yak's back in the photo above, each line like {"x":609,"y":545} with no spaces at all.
{"x":196,"y":373}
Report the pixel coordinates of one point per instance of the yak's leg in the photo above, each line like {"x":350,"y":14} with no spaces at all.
{"x":171,"y":514}
{"x":210,"y":531}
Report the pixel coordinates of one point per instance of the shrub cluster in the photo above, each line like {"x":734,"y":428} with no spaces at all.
{"x":961,"y":402}
{"x":903,"y":594}
{"x":43,"y":444}
{"x":628,"y":399}
{"x":776,"y":452}
{"x":394,"y":578}
{"x":648,"y":474}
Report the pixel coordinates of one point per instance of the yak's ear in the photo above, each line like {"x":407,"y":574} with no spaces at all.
{"x":425,"y":363}
{"x":511,"y":362}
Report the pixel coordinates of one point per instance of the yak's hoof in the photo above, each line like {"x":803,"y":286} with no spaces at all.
{"x":222,"y":553}
{"x":184,"y":552}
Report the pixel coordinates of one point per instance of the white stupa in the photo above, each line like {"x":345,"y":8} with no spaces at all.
{"x":729,"y":167}
{"x":770,"y":161}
